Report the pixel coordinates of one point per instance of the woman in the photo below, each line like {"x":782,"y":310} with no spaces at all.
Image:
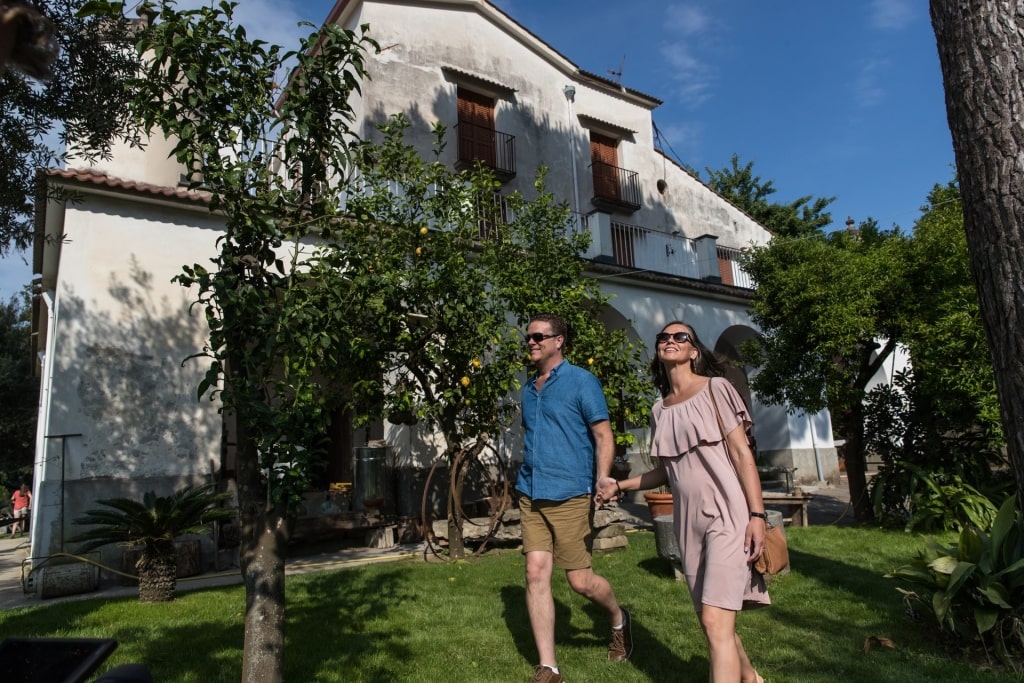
{"x":719,"y":515}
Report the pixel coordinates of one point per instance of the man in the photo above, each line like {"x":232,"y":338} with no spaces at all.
{"x":568,"y":445}
{"x":21,"y":502}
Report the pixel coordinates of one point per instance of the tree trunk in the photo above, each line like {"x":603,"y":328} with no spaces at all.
{"x":262,"y":560}
{"x":981,"y":50}
{"x":265,"y":539}
{"x":456,"y":541}
{"x":853,"y":454}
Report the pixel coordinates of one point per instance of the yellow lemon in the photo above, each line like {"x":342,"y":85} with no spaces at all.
{"x":419,"y":251}
{"x":464,"y":381}
{"x":476,"y":362}
{"x":590,"y":361}
{"x":423,"y":230}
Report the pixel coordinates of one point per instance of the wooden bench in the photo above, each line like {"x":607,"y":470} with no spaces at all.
{"x":772,"y":470}
{"x":794,"y":505}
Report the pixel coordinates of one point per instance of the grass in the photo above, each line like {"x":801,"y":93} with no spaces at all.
{"x":466,"y":621}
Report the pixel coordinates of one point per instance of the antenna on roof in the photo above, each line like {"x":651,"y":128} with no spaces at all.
{"x":618,"y":74}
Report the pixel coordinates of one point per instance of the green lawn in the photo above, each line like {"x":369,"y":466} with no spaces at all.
{"x":414,"y":621}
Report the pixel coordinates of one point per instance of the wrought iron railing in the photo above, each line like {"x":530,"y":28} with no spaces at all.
{"x":490,"y":147}
{"x":616,"y":185}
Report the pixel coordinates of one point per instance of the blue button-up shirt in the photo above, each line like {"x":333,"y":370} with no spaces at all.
{"x":558,"y":453}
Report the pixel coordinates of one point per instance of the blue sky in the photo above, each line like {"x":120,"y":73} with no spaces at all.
{"x":827,"y":99}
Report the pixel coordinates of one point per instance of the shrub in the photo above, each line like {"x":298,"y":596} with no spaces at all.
{"x":975,"y":587}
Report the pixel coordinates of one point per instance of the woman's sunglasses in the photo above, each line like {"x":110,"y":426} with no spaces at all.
{"x":678,"y":337}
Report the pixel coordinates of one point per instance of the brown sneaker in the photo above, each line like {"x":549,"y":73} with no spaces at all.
{"x":621,"y":646}
{"x":542,"y":674}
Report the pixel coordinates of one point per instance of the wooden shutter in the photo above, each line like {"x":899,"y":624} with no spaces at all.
{"x":476,"y":127}
{"x":604,"y":158}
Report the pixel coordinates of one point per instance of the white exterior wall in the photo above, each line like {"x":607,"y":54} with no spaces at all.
{"x":418,"y":43}
{"x":116,"y":384}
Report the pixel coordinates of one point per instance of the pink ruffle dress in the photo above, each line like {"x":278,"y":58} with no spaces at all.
{"x":711,"y":512}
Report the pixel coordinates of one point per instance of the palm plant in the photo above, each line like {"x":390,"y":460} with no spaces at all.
{"x":153,"y":524}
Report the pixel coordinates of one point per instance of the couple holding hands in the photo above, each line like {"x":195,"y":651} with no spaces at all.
{"x":699,"y":441}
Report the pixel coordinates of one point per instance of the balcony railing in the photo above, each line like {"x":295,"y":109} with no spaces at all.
{"x":730,"y":270}
{"x":614,"y":186}
{"x":645,"y":250}
{"x":492,"y":148}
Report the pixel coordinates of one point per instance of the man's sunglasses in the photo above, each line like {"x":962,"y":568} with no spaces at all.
{"x":537,"y":337}
{"x":678,"y":337}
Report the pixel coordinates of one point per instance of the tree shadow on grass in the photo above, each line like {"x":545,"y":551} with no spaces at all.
{"x":653,"y":658}
{"x":343,"y":625}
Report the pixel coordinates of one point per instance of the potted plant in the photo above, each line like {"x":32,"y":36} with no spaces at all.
{"x":153,"y":525}
{"x":659,"y":500}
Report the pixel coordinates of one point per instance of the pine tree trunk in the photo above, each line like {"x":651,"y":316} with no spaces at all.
{"x":981,"y":50}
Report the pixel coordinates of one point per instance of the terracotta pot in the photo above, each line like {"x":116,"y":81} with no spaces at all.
{"x":659,"y":503}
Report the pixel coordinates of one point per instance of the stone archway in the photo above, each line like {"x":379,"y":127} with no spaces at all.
{"x":728,"y":346}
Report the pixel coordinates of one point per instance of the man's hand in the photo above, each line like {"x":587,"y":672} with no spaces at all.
{"x":607,"y":491}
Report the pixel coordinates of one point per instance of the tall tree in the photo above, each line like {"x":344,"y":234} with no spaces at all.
{"x":938,"y":422}
{"x":738,"y":184}
{"x":831,"y":310}
{"x":981,"y":51}
{"x":85,"y":102}
{"x":275,"y":171}
{"x":19,"y":390}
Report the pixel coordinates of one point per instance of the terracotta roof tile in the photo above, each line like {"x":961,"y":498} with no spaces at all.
{"x":99,"y":179}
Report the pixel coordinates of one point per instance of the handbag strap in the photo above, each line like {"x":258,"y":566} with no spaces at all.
{"x":721,"y":425}
{"x":725,"y":441}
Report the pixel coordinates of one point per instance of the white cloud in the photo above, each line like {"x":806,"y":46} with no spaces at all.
{"x":867,"y":90}
{"x":691,"y":78}
{"x":892,"y":14}
{"x":687,"y":19}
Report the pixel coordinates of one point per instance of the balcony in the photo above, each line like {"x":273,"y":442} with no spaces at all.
{"x":645,"y":250}
{"x":493,"y":149}
{"x":615,"y":188}
{"x":729,"y":268}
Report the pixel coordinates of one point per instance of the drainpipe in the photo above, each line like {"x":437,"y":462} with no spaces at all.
{"x":814,"y":445}
{"x":570,"y":97}
{"x":43,"y":423}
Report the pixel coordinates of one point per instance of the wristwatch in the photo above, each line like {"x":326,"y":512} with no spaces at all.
{"x":762,"y":515}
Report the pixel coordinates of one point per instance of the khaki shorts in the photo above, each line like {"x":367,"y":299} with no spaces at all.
{"x":564,"y":528}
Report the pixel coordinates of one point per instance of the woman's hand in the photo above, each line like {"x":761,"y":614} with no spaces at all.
{"x":607,"y":490}
{"x":753,"y":541}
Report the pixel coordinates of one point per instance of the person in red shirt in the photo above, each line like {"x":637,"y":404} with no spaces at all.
{"x":21,"y":501}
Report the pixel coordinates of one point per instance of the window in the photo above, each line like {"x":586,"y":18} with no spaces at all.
{"x":604,"y":156}
{"x":476,"y":127}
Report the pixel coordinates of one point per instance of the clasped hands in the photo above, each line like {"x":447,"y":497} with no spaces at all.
{"x":607,"y":491}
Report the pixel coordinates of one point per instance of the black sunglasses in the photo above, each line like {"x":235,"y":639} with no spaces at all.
{"x":678,"y":337}
{"x":537,"y":337}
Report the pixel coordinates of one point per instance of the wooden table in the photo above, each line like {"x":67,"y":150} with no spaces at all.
{"x":794,"y":506}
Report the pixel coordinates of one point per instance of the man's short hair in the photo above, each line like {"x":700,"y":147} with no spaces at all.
{"x":556,"y":322}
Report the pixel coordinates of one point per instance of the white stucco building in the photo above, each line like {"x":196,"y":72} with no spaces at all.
{"x":118,"y":410}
